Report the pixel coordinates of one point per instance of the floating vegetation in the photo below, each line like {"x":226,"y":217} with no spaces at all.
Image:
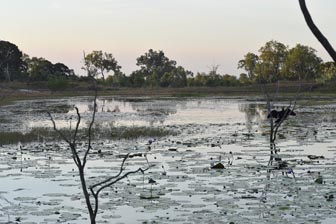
{"x":41,"y":184}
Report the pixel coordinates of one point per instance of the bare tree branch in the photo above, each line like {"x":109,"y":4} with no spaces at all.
{"x":75,"y":159}
{"x":77,"y":126}
{"x":315,"y":30}
{"x":111,"y":178}
{"x":122,"y":177}
{"x":90,"y":127}
{"x":58,"y":131}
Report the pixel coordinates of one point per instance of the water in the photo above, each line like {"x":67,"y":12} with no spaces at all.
{"x":40,"y":183}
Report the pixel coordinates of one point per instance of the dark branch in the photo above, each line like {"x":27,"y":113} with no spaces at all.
{"x":112,"y":180}
{"x":72,"y":146}
{"x":122,"y":177}
{"x":321,"y":38}
{"x":77,"y":126}
{"x":116,"y":176}
{"x":58,"y":131}
{"x":90,"y":128}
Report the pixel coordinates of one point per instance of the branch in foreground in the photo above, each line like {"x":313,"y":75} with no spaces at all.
{"x":112,"y":180}
{"x":315,"y":30}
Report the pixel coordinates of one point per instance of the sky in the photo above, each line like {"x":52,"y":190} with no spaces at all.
{"x":196,"y":33}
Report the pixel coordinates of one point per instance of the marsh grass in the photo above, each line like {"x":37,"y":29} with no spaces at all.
{"x":15,"y":137}
{"x":99,"y":133}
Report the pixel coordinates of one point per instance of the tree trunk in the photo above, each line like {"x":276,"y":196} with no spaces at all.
{"x":321,"y":38}
{"x":86,"y":195}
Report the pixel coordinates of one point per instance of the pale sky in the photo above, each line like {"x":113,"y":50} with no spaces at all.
{"x":195,"y":33}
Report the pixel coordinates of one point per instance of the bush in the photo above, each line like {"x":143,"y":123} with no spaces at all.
{"x":57,"y":83}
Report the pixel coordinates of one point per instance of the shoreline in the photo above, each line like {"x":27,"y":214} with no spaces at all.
{"x":9,"y":94}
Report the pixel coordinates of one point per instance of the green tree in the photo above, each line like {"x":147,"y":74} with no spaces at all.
{"x":302,"y":63}
{"x":61,"y":70}
{"x":328,"y":72}
{"x":11,"y":63}
{"x":101,"y":63}
{"x":244,"y":79}
{"x":40,"y":69}
{"x":272,"y":56}
{"x":229,"y":80}
{"x":176,"y":78}
{"x":154,"y":64}
{"x":119,"y":79}
{"x":137,"y":79}
{"x":249,"y":64}
{"x":200,"y":79}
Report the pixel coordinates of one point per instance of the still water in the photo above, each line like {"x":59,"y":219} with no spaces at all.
{"x":39,"y":182}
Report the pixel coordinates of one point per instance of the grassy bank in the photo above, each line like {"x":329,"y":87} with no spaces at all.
{"x":19,"y":91}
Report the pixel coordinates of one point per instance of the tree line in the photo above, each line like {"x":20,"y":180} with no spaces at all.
{"x":275,"y":61}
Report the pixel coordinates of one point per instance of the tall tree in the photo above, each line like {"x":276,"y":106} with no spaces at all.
{"x":99,"y":62}
{"x":154,"y":64}
{"x":11,"y":63}
{"x":273,"y":56}
{"x":315,"y":30}
{"x":302,"y":63}
{"x":249,"y":64}
{"x":39,"y":69}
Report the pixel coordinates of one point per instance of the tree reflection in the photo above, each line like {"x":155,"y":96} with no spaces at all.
{"x":274,"y":166}
{"x":253,"y":114}
{"x":156,"y":111}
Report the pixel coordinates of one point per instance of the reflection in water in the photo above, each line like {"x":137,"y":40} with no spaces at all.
{"x":253,"y":114}
{"x":157,"y":111}
{"x":311,"y":123}
{"x":275,"y":166}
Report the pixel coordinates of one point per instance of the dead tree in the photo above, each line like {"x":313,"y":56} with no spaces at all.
{"x":91,"y":193}
{"x":315,"y":30}
{"x":275,"y":122}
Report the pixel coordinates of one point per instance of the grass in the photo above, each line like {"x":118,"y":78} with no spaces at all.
{"x":16,"y":137}
{"x":48,"y":134}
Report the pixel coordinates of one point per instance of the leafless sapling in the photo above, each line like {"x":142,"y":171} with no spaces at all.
{"x":91,"y":193}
